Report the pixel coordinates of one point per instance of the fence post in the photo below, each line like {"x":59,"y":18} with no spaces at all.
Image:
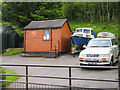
{"x":119,"y":76}
{"x":70,"y":78}
{"x":26,"y":77}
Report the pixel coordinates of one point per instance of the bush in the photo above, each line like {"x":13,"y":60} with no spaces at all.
{"x":20,"y":32}
{"x":9,"y":78}
{"x":12,"y":51}
{"x":3,"y":72}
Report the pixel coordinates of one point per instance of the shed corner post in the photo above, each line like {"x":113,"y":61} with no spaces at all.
{"x":50,"y":44}
{"x":24,"y":40}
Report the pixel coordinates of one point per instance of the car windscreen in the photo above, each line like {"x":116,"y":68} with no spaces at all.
{"x":99,"y":43}
{"x":79,"y":30}
{"x":87,"y":31}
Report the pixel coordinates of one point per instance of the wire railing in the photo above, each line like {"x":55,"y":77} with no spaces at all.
{"x":69,"y":78}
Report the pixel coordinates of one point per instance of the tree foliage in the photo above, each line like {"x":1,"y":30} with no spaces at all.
{"x":91,"y":11}
{"x":21,"y":13}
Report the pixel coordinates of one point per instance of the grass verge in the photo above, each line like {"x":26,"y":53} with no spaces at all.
{"x":9,"y":78}
{"x":12,"y":51}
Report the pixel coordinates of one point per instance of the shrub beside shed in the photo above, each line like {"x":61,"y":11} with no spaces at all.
{"x":47,"y":36}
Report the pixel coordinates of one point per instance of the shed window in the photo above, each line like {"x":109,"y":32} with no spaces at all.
{"x":45,"y":34}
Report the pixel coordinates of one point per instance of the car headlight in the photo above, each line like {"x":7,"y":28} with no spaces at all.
{"x":82,"y":55}
{"x":103,"y":55}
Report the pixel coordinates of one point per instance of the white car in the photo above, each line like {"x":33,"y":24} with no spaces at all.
{"x":99,"y":51}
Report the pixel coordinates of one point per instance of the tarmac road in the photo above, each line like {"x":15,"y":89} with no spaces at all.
{"x":62,"y":72}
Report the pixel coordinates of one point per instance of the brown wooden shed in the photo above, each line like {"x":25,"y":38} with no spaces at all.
{"x":45,"y":36}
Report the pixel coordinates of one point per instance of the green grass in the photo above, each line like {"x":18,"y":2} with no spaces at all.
{"x":9,"y":78}
{"x":97,"y":27}
{"x":12,"y":51}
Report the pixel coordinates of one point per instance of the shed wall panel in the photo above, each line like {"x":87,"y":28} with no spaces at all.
{"x":65,"y":38}
{"x":56,"y":35}
{"x":36,"y":43}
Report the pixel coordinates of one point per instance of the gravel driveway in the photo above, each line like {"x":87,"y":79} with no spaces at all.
{"x":62,"y":60}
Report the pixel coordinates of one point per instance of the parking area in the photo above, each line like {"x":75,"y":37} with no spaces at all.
{"x":62,"y":72}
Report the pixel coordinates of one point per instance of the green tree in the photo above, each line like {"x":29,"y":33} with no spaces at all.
{"x":21,"y":13}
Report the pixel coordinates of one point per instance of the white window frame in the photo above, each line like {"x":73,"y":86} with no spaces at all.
{"x":46,"y":34}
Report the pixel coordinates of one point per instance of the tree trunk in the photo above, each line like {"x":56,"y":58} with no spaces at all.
{"x":108,"y":11}
{"x":91,"y":14}
{"x":113,"y":16}
{"x":103,"y":19}
{"x":99,"y":11}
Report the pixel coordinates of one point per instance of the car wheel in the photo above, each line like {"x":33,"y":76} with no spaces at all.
{"x":111,"y":62}
{"x":80,"y":64}
{"x":73,"y":55}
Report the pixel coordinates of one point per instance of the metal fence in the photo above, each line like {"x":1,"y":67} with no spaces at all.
{"x":28,"y":85}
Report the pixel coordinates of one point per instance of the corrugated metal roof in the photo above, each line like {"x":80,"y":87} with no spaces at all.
{"x":45,"y":24}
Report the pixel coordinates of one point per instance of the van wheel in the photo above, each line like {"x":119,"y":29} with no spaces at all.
{"x":111,"y":62}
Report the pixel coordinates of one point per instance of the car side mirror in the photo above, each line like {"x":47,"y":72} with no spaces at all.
{"x":113,"y":46}
{"x":84,"y":46}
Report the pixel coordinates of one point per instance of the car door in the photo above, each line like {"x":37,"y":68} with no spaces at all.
{"x":115,"y":49}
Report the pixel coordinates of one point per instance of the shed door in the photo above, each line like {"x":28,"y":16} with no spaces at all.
{"x":55,"y":38}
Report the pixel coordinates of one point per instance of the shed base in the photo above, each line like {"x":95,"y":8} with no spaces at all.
{"x":41,"y":54}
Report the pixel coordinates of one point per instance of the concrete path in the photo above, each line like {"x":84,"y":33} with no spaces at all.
{"x":62,"y":60}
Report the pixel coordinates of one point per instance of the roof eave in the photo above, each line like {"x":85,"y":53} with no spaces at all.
{"x":40,"y":28}
{"x":69,"y":26}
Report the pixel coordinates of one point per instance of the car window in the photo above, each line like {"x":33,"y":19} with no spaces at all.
{"x":87,"y":31}
{"x":79,"y":30}
{"x":92,"y":32}
{"x":99,"y":43}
